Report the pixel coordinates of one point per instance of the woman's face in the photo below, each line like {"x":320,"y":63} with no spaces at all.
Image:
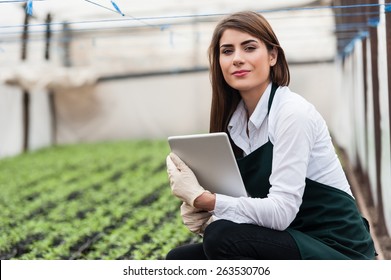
{"x":245,"y":61}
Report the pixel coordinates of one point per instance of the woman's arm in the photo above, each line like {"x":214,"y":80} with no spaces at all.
{"x":205,"y":201}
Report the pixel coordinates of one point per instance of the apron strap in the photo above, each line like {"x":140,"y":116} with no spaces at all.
{"x":272,"y":93}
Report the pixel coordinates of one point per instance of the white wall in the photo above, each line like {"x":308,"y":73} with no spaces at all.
{"x":10,"y":121}
{"x":40,"y":128}
{"x":152,"y":107}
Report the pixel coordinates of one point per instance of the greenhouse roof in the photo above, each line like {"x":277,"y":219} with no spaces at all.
{"x":305,"y":28}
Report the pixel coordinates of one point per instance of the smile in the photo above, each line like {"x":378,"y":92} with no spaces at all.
{"x":240,"y":73}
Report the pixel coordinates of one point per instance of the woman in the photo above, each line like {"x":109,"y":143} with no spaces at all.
{"x":300,"y":205}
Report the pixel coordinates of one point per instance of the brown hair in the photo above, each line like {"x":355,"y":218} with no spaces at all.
{"x":225,"y":98}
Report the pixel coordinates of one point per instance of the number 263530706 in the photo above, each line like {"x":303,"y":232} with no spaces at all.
{"x":243,"y":270}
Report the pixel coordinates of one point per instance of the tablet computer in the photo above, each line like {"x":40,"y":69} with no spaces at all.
{"x":212,"y":160}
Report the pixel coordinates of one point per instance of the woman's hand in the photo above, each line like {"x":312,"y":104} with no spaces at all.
{"x":195,"y":219}
{"x":184,"y":184}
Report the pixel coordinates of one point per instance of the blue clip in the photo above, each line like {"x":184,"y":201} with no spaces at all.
{"x":29,"y":7}
{"x":373,"y":22}
{"x":117,"y":8}
{"x":387,"y":7}
{"x":164,"y":27}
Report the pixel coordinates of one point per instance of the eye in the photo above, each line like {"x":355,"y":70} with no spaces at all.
{"x":227,"y":51}
{"x":250,"y":48}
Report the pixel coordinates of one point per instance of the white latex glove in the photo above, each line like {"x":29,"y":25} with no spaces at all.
{"x":196,"y":220}
{"x":184,"y":183}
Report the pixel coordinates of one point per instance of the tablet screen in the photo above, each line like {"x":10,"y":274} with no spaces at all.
{"x":211,"y":158}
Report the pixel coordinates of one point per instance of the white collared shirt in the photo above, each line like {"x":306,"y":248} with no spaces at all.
{"x":302,"y":149}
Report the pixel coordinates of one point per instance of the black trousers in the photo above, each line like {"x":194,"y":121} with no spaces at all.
{"x":227,"y":240}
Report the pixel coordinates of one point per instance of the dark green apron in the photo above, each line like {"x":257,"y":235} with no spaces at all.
{"x":328,"y":224}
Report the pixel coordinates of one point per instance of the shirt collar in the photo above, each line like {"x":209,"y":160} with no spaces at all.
{"x":239,"y":117}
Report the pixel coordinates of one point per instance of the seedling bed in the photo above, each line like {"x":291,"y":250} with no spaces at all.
{"x":89,"y":201}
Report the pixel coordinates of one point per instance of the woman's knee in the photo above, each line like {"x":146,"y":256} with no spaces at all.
{"x":172,"y":255}
{"x":187,"y":252}
{"x":216,"y":239}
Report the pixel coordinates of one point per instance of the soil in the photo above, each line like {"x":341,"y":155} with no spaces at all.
{"x":379,"y":230}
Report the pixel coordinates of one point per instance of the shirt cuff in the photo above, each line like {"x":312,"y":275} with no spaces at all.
{"x":225,"y":207}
